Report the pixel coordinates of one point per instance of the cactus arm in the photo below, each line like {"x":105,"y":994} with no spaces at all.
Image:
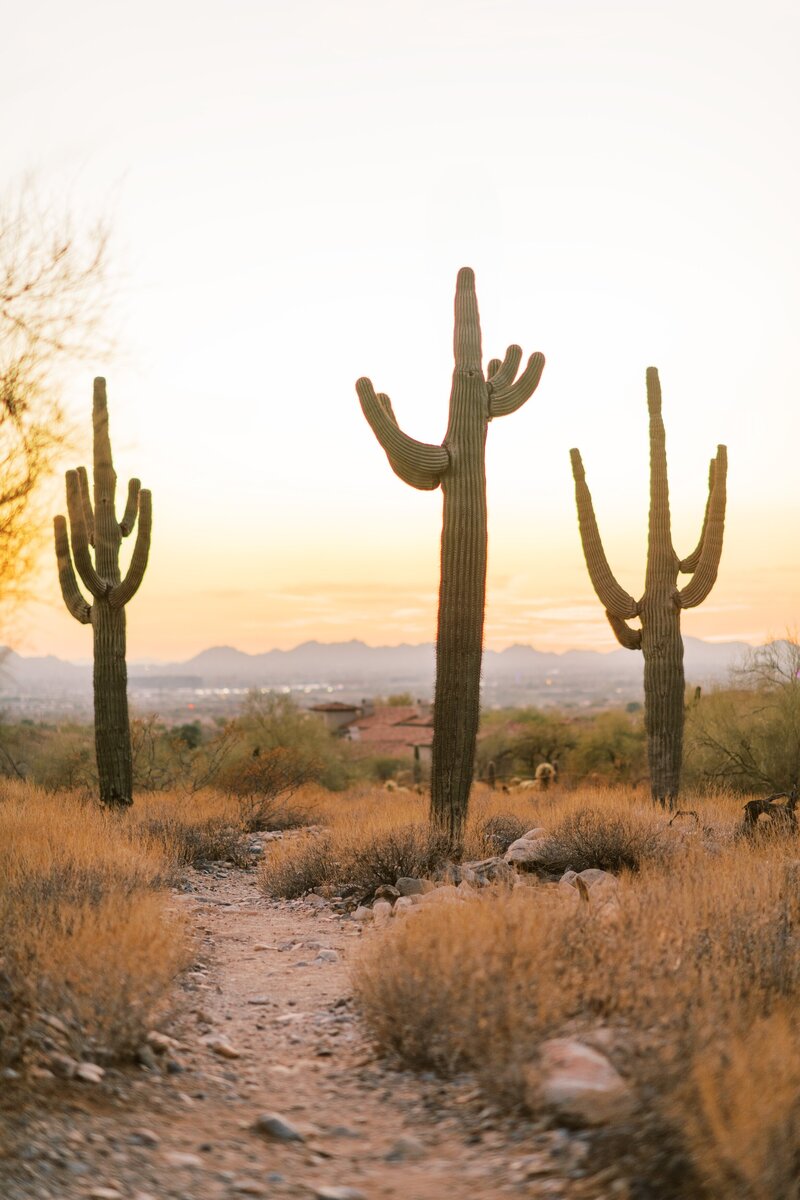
{"x":615,"y":599}
{"x":80,"y":538}
{"x":502,"y":375}
{"x":705,"y":575}
{"x":689,"y":564}
{"x":631,"y":639}
{"x":505,"y":400}
{"x":79,"y":608}
{"x":86,"y":501}
{"x":419,"y":464}
{"x":131,"y":508}
{"x":124,"y":591}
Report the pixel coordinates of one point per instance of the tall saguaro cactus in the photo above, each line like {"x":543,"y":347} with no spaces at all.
{"x":458,"y":467}
{"x":659,"y":609}
{"x":96,"y":527}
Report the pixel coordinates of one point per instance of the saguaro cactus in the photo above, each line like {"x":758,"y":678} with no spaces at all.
{"x":458,"y":466}
{"x":659,"y":609}
{"x":97,"y":527}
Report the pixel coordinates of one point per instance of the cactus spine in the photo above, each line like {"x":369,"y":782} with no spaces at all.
{"x":458,"y":466}
{"x":96,"y":526}
{"x":659,"y":609}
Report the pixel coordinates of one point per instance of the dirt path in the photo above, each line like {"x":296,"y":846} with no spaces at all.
{"x":271,"y":979}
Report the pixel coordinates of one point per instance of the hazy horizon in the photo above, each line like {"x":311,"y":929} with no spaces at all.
{"x":292,"y":190}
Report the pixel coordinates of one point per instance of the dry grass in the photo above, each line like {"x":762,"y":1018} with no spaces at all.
{"x":88,"y":937}
{"x":696,"y":972}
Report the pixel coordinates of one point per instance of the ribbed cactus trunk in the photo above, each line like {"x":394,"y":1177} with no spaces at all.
{"x":97,"y":526}
{"x":659,"y":609}
{"x":662,"y":644}
{"x":462,"y":588}
{"x":458,"y":465}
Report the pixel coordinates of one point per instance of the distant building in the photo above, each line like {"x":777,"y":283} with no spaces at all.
{"x":336,"y":715}
{"x":388,"y":730}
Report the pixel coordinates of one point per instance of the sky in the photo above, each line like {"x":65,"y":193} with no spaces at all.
{"x":292,"y":188}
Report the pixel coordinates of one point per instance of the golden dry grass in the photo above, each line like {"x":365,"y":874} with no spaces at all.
{"x":696,"y":972}
{"x":87,"y":932}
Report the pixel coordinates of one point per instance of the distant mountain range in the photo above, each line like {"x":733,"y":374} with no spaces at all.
{"x":349,"y":662}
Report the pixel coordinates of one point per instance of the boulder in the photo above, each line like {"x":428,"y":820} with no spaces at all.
{"x":580,"y":1084}
{"x":407,"y":886}
{"x":526,"y":852}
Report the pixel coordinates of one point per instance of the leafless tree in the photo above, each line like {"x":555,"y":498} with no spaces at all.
{"x":53,"y":294}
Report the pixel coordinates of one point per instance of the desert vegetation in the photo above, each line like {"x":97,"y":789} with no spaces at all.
{"x":458,"y":467}
{"x":659,"y":608}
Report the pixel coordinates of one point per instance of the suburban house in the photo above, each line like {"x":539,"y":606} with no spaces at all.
{"x":389,"y":730}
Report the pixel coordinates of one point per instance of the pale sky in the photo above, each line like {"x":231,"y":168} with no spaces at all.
{"x":292,"y":188}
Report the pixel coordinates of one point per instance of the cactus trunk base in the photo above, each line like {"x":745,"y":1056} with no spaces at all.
{"x":111,"y":720}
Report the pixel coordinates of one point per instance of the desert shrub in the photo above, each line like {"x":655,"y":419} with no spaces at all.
{"x":680,"y":971}
{"x":350,"y":864}
{"x":87,"y":935}
{"x":205,"y":827}
{"x":614,"y":839}
{"x":740,"y":1111}
{"x":500,"y":830}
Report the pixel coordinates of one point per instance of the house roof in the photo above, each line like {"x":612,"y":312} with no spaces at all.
{"x":335,"y":706}
{"x":392,"y":729}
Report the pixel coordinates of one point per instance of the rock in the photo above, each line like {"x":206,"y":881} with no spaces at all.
{"x":248,"y":1187}
{"x":526,"y":852}
{"x":580,"y":1084}
{"x":404,"y":904}
{"x":144,"y":1137}
{"x":160,"y":1043}
{"x":327,"y":956}
{"x":273,"y":1125}
{"x":492,"y":870}
{"x":445,"y":894}
{"x":381,"y":912}
{"x":387,"y":892}
{"x":63,"y":1065}
{"x":89,"y":1072}
{"x":408,"y":886}
{"x":221,"y":1046}
{"x":105,"y":1193}
{"x":534,"y":834}
{"x":594,"y":876}
{"x":362,"y":913}
{"x":339,"y":1193}
{"x":177,"y":1158}
{"x":406,"y":1149}
{"x":316,"y":901}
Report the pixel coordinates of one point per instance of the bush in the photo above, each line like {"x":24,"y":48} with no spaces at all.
{"x":500,"y":830}
{"x":611,"y":839}
{"x":87,"y":935}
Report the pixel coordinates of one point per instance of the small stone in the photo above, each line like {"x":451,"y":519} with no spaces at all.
{"x":362,"y":913}
{"x":177,"y":1158}
{"x":144,"y":1137}
{"x":89,"y":1072}
{"x":404,"y":904}
{"x":248,"y":1187}
{"x":63,"y":1065}
{"x":273,"y":1125}
{"x":105,"y":1193}
{"x":339,"y":1193}
{"x":221,"y":1046}
{"x":327,"y":956}
{"x":316,"y":901}
{"x":406,"y":1149}
{"x":160,"y":1043}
